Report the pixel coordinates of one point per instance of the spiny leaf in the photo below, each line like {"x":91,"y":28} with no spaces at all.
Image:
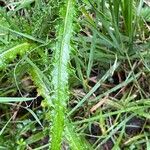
{"x":60,"y":73}
{"x":10,"y":55}
{"x":37,"y":77}
{"x":39,"y":80}
{"x":75,"y":141}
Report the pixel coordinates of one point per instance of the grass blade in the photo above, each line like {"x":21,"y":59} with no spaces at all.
{"x":14,"y":99}
{"x":22,"y":34}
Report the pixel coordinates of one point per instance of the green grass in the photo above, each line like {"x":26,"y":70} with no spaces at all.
{"x":74,"y":74}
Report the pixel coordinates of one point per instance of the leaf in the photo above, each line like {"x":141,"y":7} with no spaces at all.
{"x":22,"y":34}
{"x":22,"y":4}
{"x":59,"y":74}
{"x":35,"y":116}
{"x":9,"y":55}
{"x":40,"y":81}
{"x":4,"y":127}
{"x":75,"y":140}
{"x":37,"y":77}
{"x":36,"y":137}
{"x":14,"y":99}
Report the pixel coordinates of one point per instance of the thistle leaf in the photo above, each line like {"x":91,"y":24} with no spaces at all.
{"x":74,"y":140}
{"x":10,"y":55}
{"x":60,"y":73}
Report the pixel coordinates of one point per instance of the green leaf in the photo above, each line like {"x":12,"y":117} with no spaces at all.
{"x":35,"y":116}
{"x":37,"y":77}
{"x":14,"y":99}
{"x":60,"y":74}
{"x":76,"y":142}
{"x":9,"y":55}
{"x":22,"y":34}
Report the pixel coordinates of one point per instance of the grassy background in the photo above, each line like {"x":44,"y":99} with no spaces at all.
{"x":99,"y":99}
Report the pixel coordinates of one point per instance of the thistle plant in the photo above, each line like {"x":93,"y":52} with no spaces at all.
{"x":110,"y":94}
